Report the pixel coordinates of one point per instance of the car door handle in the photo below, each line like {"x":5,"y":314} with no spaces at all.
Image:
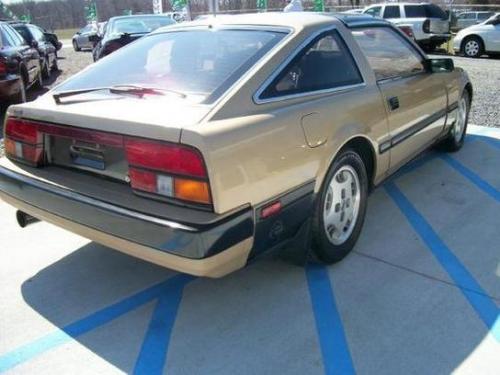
{"x":393,"y":103}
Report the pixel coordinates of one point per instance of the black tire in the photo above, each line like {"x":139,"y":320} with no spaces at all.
{"x":324,"y":249}
{"x":39,"y":80}
{"x":472,"y":46}
{"x":20,"y":97}
{"x":453,"y":143}
{"x":55,"y":64}
{"x":75,"y":46}
{"x":45,"y":68}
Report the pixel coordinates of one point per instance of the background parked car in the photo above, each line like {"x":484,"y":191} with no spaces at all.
{"x":85,"y":38}
{"x":430,"y":24}
{"x":19,"y":65}
{"x":53,"y":39}
{"x":477,"y":40}
{"x":120,"y":31}
{"x":467,"y":19}
{"x":36,"y":38}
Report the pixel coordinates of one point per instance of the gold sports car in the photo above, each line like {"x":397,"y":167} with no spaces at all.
{"x":203,"y":144}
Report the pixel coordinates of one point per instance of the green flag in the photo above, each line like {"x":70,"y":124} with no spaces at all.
{"x":90,"y":11}
{"x":262,"y":5}
{"x":319,"y":5}
{"x":178,"y":5}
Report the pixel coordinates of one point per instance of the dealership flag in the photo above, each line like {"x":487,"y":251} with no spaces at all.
{"x":262,"y":5}
{"x":319,"y":5}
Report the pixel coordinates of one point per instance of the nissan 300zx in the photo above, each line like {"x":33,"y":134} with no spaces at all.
{"x":203,"y":144}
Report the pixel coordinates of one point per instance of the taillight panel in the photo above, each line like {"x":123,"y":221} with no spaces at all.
{"x":156,"y":168}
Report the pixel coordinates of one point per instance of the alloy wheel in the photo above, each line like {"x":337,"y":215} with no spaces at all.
{"x":472,"y":48}
{"x":341,"y":207}
{"x":461,"y":117}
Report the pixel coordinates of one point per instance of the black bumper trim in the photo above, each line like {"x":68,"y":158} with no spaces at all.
{"x":195,"y":242}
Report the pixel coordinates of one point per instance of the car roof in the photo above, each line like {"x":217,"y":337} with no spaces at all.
{"x":137,"y":16}
{"x":296,"y":20}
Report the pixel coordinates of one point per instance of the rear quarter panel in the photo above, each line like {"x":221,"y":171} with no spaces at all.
{"x":255,"y":152}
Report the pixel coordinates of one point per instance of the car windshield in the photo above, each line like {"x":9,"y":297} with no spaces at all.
{"x":137,"y":25}
{"x":201,"y":64}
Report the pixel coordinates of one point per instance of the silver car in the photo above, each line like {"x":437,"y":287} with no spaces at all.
{"x":467,"y":19}
{"x":480,"y":39}
{"x":85,"y":38}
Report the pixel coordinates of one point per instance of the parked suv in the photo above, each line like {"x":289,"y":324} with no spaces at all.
{"x":19,"y":65}
{"x":430,"y":24}
{"x":35,"y":37}
{"x":467,"y":19}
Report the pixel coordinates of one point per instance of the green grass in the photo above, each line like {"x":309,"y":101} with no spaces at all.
{"x":65,"y":33}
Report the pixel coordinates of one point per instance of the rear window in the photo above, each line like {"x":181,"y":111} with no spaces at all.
{"x":139,"y":24}
{"x":484,"y":16}
{"x":201,"y":64}
{"x":425,"y":11}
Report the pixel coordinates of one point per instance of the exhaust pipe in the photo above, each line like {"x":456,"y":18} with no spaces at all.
{"x":23,"y":219}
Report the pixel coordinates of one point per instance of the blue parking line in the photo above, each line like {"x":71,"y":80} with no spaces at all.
{"x":484,"y":306}
{"x":88,"y":323}
{"x":472,"y":177}
{"x":154,"y":349}
{"x":494,"y":142}
{"x":334,"y":348}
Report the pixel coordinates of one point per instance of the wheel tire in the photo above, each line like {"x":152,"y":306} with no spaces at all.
{"x":45,"y":68}
{"x":472,"y":47}
{"x":55,"y":65}
{"x":455,"y":139}
{"x":39,"y":80}
{"x":327,"y":246}
{"x":75,"y":46}
{"x":20,"y":97}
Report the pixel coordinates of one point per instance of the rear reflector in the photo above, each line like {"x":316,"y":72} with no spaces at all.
{"x":270,"y":210}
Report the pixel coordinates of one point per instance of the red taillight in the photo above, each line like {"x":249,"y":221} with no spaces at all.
{"x":3,"y":68}
{"x":23,"y":141}
{"x":160,"y":168}
{"x":407,"y":30}
{"x":169,"y":170}
{"x":160,"y":156}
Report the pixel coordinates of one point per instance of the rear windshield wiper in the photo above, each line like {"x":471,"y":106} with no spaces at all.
{"x":136,"y":90}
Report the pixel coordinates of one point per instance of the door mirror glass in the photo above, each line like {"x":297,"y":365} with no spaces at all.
{"x":440,"y":65}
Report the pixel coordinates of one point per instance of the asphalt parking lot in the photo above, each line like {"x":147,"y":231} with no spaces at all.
{"x":419,"y":294}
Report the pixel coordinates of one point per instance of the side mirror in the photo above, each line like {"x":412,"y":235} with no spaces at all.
{"x":445,"y":65}
{"x":34,"y":44}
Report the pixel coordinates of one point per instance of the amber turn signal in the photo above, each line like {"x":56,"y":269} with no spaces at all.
{"x":192,"y":190}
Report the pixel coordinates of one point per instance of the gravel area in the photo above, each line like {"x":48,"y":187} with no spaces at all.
{"x":484,"y":74}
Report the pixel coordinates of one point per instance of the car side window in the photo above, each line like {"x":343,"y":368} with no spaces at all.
{"x":325,"y":63}
{"x":374,"y":11}
{"x":37,"y":33}
{"x":16,"y":38}
{"x":392,"y":11}
{"x":389,"y":55}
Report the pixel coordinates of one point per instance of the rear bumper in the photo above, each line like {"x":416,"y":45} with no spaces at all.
{"x":212,"y":250}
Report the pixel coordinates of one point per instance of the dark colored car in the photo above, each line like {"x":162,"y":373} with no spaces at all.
{"x":19,"y":65}
{"x":35,"y":37}
{"x":53,"y":39}
{"x":120,"y":31}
